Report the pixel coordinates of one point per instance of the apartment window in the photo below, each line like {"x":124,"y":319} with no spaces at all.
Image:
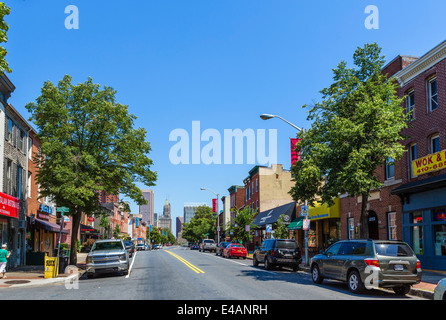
{"x":30,"y":148}
{"x":8,"y":176}
{"x":390,"y":169}
{"x":9,"y":133}
{"x":391,"y":225}
{"x":257,"y":185}
{"x":29,"y":184}
{"x":435,"y":144}
{"x":433,"y":97}
{"x":410,"y":104}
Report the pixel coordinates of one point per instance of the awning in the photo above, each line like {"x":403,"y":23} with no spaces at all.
{"x":324,"y":211}
{"x":88,"y":229}
{"x":296,"y":224}
{"x":271,"y":216}
{"x":421,"y":185}
{"x":50,"y":226}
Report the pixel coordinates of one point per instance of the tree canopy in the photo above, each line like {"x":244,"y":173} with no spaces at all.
{"x":354,"y":130}
{"x":88,"y":144}
{"x":201,"y":226}
{"x":4,"y":27}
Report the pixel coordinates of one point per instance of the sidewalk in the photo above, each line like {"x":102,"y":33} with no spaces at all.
{"x":35,"y":275}
{"x":424,"y":289}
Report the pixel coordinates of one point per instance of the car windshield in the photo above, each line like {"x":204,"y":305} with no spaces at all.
{"x":107,"y":246}
{"x":286,"y":244}
{"x":237,"y":246}
{"x":393,"y":249}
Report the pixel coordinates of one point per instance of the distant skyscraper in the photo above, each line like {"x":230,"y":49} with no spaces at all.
{"x":190,"y":209}
{"x":165,"y":221}
{"x":147,"y":210}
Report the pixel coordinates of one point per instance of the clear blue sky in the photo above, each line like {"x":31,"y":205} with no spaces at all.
{"x":220,"y":62}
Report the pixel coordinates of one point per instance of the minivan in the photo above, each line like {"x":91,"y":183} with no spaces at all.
{"x":368,"y":264}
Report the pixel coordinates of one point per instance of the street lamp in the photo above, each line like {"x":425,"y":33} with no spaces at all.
{"x":218,"y":218}
{"x":266,"y":116}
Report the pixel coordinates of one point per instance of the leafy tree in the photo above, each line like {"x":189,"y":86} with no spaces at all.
{"x":4,"y":27}
{"x":242,"y":218}
{"x":355,"y":129}
{"x":281,"y":231}
{"x":88,"y":144}
{"x":201,"y":225}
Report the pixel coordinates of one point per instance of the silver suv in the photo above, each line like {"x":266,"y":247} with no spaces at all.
{"x":106,"y":256}
{"x":368,"y":264}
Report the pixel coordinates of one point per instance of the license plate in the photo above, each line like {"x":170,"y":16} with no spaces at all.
{"x":289,"y":256}
{"x":399,"y":267}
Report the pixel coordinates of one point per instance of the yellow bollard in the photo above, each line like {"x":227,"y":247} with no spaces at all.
{"x":50,"y":267}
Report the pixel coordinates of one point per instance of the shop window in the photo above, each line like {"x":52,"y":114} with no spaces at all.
{"x":416,"y":217}
{"x":351,"y":228}
{"x":440,"y":239}
{"x":417,"y":239}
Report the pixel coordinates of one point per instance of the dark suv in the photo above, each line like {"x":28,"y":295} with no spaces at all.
{"x":278,"y":252}
{"x":368,"y":264}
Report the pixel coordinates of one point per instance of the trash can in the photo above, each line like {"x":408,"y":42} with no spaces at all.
{"x":63,"y":263}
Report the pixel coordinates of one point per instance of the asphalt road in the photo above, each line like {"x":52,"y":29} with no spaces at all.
{"x":177,"y":273}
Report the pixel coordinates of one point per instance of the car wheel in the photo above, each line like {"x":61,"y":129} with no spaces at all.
{"x":255,"y":263}
{"x":316,"y":274}
{"x":90,"y":275}
{"x":355,"y":284}
{"x":402,"y":291}
{"x":295,"y":268}
{"x":268,"y":265}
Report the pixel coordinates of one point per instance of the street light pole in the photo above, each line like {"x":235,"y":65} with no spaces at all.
{"x":270,"y":116}
{"x":218,"y":215}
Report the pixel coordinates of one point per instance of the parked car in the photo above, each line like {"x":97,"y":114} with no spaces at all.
{"x":130,"y":247}
{"x":140,"y":247}
{"x":440,"y":290}
{"x":106,"y":256}
{"x":367,"y":264}
{"x":208,"y":245}
{"x":157,"y":246}
{"x":234,"y":250}
{"x":278,"y":252}
{"x":194,"y":247}
{"x":220,"y":247}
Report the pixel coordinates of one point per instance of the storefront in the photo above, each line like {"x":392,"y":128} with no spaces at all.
{"x":88,"y":232}
{"x":424,"y":220}
{"x":325,"y":226}
{"x":265,"y":221}
{"x":9,"y":212}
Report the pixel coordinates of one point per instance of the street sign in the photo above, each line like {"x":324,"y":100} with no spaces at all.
{"x":304,"y":211}
{"x":268,"y":228}
{"x":306,"y":224}
{"x":62,"y":209}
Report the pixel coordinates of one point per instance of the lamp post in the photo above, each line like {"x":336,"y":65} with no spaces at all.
{"x":218,"y":216}
{"x":266,"y":116}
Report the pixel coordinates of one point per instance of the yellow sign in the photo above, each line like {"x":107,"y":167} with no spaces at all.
{"x":50,"y":267}
{"x":432,"y":162}
{"x":324,"y":211}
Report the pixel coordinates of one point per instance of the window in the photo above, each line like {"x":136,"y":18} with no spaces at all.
{"x":29,"y":184}
{"x":391,"y":225}
{"x":9,"y":133}
{"x":257,"y":185}
{"x":435,"y":144}
{"x":410,"y":104}
{"x":334,"y":249}
{"x":390,"y":169}
{"x":351,"y":228}
{"x":432,"y":90}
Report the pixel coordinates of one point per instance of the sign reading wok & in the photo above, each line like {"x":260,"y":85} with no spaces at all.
{"x":432,"y":162}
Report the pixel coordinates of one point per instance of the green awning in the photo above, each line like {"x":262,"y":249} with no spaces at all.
{"x":296,"y":224}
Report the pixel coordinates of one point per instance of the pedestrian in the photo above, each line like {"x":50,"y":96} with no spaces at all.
{"x":4,"y":256}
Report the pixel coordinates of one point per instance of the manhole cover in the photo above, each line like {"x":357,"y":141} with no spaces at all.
{"x":17,"y":281}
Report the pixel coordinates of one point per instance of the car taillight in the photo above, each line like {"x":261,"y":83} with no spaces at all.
{"x":418,"y":264}
{"x":273,"y":252}
{"x":372,"y":262}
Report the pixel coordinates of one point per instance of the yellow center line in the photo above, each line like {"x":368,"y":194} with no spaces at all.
{"x":187,"y":263}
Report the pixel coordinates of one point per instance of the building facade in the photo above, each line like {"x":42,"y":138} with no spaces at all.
{"x":147,"y":211}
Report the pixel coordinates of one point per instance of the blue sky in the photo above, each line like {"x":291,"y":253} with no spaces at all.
{"x":220,"y":62}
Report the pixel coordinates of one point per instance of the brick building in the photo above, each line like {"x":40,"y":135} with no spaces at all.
{"x":423,"y":168}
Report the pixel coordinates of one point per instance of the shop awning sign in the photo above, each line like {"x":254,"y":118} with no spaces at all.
{"x":9,"y":206}
{"x":430,"y":163}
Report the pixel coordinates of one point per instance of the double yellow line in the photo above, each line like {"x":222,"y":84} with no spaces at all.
{"x":187,"y":263}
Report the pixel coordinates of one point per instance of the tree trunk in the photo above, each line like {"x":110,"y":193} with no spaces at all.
{"x":364,"y":229}
{"x":74,"y":231}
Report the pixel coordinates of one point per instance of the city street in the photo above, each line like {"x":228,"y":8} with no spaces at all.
{"x":177,"y":273}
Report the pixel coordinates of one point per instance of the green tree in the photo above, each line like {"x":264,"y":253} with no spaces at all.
{"x":355,"y":129}
{"x":4,"y":27}
{"x":88,"y":144}
{"x":281,"y":231}
{"x":243,"y":218}
{"x":201,"y":225}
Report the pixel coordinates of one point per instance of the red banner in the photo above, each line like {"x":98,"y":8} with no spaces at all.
{"x":214,"y":205}
{"x":295,"y":156}
{"x":9,"y":206}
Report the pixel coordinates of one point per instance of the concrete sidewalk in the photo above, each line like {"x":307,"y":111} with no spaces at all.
{"x":35,"y":275}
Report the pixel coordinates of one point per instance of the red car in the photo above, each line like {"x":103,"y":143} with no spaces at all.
{"x":235,"y":250}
